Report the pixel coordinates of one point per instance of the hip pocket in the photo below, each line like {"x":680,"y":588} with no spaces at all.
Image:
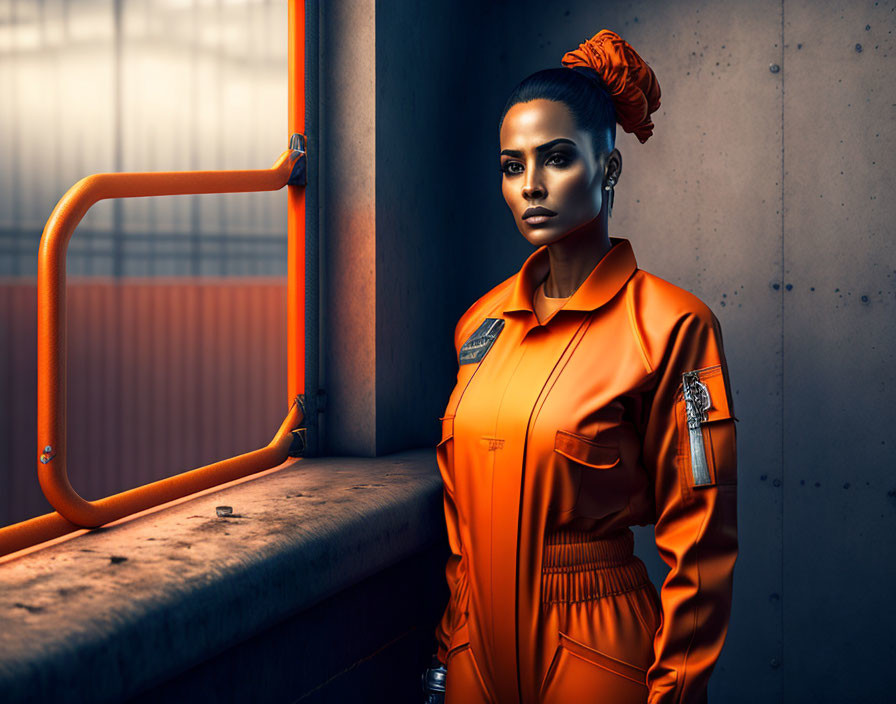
{"x":463,"y":680}
{"x":647,"y":607}
{"x":579,"y":673}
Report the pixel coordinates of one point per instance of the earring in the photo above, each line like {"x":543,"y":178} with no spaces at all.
{"x":609,"y":187}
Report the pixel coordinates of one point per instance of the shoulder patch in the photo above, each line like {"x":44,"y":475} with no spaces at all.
{"x":474,"y":349}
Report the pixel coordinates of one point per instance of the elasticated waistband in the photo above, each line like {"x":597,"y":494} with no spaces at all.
{"x":577,"y":566}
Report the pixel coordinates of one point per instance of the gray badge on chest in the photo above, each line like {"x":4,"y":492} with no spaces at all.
{"x":478,"y":343}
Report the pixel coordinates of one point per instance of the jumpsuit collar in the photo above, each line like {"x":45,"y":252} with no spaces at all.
{"x":604,"y":281}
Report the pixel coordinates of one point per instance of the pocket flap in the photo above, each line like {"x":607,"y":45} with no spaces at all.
{"x":714,"y":380}
{"x":585,"y":451}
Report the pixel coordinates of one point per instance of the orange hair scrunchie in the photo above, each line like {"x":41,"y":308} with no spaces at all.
{"x":631,"y":82}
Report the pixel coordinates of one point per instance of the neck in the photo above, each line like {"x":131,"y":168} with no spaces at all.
{"x":574,"y":257}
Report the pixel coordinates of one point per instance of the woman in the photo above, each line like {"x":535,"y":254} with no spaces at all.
{"x":591,"y":396}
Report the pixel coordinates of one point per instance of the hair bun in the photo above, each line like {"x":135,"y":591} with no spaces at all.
{"x":630,"y":81}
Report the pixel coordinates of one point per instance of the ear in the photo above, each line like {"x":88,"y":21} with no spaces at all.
{"x":614,"y":165}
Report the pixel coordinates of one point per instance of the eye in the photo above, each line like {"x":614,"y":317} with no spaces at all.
{"x":511,"y":168}
{"x":558,"y":159}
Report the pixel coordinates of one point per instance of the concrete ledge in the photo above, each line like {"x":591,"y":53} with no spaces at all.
{"x":117,"y":611}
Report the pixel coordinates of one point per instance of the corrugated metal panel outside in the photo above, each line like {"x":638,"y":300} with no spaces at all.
{"x":164,"y":375}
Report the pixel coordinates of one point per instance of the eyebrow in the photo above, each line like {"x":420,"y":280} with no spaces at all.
{"x":543,"y":147}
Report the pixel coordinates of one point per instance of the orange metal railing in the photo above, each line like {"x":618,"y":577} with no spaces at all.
{"x":295,"y":211}
{"x":72,"y":511}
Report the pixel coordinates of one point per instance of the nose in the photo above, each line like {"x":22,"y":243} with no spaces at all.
{"x":533,"y":188}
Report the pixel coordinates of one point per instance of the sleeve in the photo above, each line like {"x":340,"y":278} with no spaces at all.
{"x":696,"y":508}
{"x":455,"y":575}
{"x":455,"y":567}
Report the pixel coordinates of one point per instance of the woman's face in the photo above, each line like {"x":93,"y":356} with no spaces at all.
{"x":548,"y":163}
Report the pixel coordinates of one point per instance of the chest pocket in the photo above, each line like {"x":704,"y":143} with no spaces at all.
{"x":590,"y":478}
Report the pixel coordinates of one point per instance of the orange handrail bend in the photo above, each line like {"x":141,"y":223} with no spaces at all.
{"x":51,"y":343}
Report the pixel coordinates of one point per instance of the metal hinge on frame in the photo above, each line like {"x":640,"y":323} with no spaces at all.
{"x":299,"y":175}
{"x":299,"y":435}
{"x":299,"y":445}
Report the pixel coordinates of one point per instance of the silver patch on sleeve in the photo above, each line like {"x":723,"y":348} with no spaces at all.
{"x":474,"y":349}
{"x":697,"y":402}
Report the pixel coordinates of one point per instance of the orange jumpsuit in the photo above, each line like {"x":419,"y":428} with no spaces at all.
{"x":559,"y":436}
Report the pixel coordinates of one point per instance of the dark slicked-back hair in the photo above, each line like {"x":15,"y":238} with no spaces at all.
{"x":582,"y":91}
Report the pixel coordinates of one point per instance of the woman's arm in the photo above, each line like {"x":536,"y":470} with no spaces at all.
{"x":434,"y":676}
{"x":454,"y":575}
{"x":695,"y":480}
{"x":454,"y":568}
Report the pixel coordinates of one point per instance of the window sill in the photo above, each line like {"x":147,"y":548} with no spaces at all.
{"x":123,"y":608}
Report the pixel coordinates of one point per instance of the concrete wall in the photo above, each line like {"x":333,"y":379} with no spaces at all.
{"x":442,"y":236}
{"x":410,"y":99}
{"x":838,"y":342}
{"x":347,"y":226}
{"x":765,"y":192}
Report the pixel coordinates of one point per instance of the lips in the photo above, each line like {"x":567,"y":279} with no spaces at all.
{"x":534,"y":212}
